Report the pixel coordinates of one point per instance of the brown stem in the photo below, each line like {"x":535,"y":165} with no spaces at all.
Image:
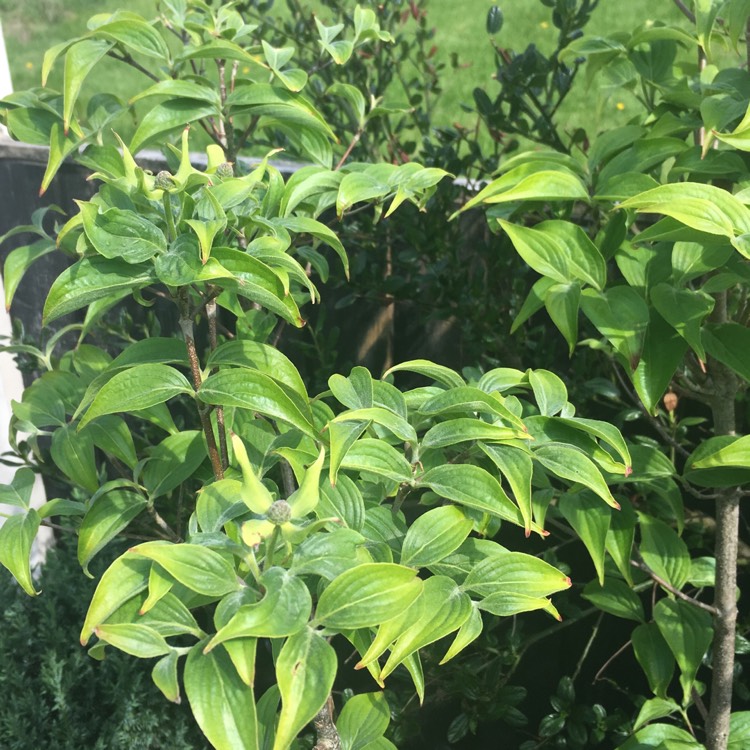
{"x":186,"y":324}
{"x":685,"y":10}
{"x":328,"y":736}
{"x":354,"y":141}
{"x":133,"y":64}
{"x":211,"y":315}
{"x":603,"y":668}
{"x":725,"y":384}
{"x":669,"y":587}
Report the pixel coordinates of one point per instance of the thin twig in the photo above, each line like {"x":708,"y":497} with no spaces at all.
{"x":685,"y":10}
{"x":162,"y":524}
{"x":354,"y":141}
{"x":587,"y":648}
{"x":133,"y":64}
{"x":669,"y":587}
{"x":603,"y":668}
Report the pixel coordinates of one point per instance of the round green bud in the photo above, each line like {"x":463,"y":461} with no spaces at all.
{"x":163,"y":180}
{"x":225,"y":170}
{"x":279,"y":512}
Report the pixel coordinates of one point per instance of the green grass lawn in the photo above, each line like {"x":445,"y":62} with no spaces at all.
{"x":32,"y":26}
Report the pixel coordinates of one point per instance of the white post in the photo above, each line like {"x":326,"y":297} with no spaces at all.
{"x":11,"y":383}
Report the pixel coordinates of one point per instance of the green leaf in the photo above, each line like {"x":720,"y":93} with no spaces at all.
{"x":540,"y":185}
{"x":18,"y":492}
{"x":722,"y":452}
{"x":73,"y":454}
{"x":357,"y":187}
{"x":367,"y":595}
{"x":692,"y":259}
{"x":739,"y":730}
{"x":198,"y":568}
{"x":663,"y":551}
{"x":363,"y":719}
{"x":206,"y":230}
{"x":329,"y":555}
{"x":616,"y":598}
{"x":122,"y":234}
{"x":343,"y":501}
{"x":620,"y":538}
{"x":655,"y":708}
{"x":248,"y":389}
{"x":356,"y":391}
{"x":541,"y":251}
{"x":91,"y":279}
{"x":534,"y":301}
{"x":279,"y":104}
{"x":253,"y":279}
{"x":17,"y":534}
{"x":165,"y":117}
{"x":688,"y":631}
{"x":621,"y":316}
{"x":80,"y":59}
{"x":258,"y":356}
{"x":106,"y":518}
{"x":572,"y":464}
{"x":467,"y":398}
{"x":467,"y":633}
{"x":445,"y":609}
{"x":386,"y":634}
{"x":590,"y":520}
{"x":377,"y":457}
{"x":434,"y":536}
{"x":305,"y":671}
{"x":514,"y":572}
{"x":384,"y":417}
{"x":730,"y":344}
{"x":456,"y":431}
{"x":472,"y":487}
{"x":562,"y":302}
{"x":243,"y":652}
{"x":342,"y":436}
{"x":173,"y":461}
{"x":663,"y":352}
{"x":18,"y":262}
{"x":113,"y":436}
{"x":685,"y":310}
{"x":123,"y":580}
{"x":549,"y":391}
{"x":222,"y":704}
{"x":137,"y":35}
{"x":283,"y":611}
{"x":140,"y":387}
{"x":517,"y":468}
{"x":138,"y":640}
{"x":604,"y":431}
{"x":164,"y":675}
{"x":703,"y":207}
{"x":654,"y":656}
{"x":318,"y":230}
{"x":440,"y":374}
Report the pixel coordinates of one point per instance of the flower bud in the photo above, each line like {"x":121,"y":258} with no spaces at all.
{"x":225,"y":170}
{"x":670,"y":401}
{"x":279,"y":512}
{"x":163,"y":180}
